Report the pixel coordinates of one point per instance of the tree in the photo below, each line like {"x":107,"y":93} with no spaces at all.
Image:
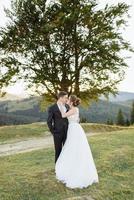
{"x":132,"y":114}
{"x":110,"y":122}
{"x":120,"y":118}
{"x":83,"y":120}
{"x":127,"y":122}
{"x":67,"y":45}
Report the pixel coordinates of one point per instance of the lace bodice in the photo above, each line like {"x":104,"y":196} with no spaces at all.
{"x":74,"y":117}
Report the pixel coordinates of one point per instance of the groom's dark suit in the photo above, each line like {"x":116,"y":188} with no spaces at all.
{"x":58,"y":127}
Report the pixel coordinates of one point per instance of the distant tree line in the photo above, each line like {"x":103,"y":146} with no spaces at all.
{"x":101,"y":112}
{"x":121,"y":119}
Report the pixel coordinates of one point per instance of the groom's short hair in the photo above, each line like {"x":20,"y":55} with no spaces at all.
{"x":61,"y":94}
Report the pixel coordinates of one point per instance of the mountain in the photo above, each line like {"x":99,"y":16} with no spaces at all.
{"x":127,"y":103}
{"x":18,"y":110}
{"x":121,"y":96}
{"x":11,"y":97}
{"x":19,"y":104}
{"x":103,"y":110}
{"x":28,"y":111}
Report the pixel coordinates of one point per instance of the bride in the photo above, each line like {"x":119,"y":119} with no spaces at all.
{"x":75,"y":166}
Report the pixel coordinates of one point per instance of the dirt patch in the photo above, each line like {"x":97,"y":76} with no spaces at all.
{"x":29,"y":145}
{"x":80,"y":198}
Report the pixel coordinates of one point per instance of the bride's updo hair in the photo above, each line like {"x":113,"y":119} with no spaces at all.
{"x":75,"y":100}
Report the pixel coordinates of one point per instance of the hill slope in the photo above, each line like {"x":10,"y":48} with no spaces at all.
{"x":121,"y":96}
{"x":28,"y":110}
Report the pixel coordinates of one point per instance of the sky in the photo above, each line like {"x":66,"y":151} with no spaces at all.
{"x":126,"y":85}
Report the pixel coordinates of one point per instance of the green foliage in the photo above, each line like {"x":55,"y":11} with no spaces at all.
{"x":132,"y":114}
{"x":127,"y":122}
{"x":110,"y":122}
{"x":28,"y":111}
{"x":83,"y":120}
{"x":70,"y":45}
{"x":120,"y":118}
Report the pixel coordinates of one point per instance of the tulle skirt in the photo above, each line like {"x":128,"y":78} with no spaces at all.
{"x":75,"y":166}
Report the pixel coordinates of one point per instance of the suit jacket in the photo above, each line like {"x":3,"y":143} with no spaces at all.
{"x":55,"y":122}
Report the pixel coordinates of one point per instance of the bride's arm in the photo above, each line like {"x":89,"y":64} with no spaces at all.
{"x":67,"y":114}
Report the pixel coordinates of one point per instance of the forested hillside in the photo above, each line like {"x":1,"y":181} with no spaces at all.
{"x":21,"y":111}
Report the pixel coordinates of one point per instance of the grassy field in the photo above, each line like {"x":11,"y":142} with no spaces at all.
{"x":40,"y":129}
{"x":31,"y":176}
{"x":21,"y":132}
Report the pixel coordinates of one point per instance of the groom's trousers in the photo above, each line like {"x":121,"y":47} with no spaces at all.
{"x":59,"y":141}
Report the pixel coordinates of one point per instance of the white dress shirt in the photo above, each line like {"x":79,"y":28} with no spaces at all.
{"x":63,"y":107}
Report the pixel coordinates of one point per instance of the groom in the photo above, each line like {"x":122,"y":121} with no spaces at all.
{"x":58,"y":125}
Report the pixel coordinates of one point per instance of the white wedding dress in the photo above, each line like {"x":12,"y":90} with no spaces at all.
{"x":75,"y":166}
